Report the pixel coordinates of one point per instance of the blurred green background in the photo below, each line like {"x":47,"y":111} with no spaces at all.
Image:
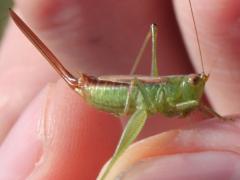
{"x":4,"y":6}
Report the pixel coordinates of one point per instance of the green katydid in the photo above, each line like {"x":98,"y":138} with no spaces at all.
{"x":136,"y":96}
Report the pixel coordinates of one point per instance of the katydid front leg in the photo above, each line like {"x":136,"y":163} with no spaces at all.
{"x":210,"y":111}
{"x":187,"y":105}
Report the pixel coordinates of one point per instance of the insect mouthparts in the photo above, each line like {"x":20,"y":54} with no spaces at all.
{"x":204,"y":76}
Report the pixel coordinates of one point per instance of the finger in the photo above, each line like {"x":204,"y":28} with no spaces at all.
{"x":22,"y":148}
{"x":217,"y":23}
{"x":189,"y":151}
{"x":73,"y":140}
{"x":204,"y":165}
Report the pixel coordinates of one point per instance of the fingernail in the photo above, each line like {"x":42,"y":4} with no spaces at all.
{"x":202,"y":165}
{"x":22,"y":147}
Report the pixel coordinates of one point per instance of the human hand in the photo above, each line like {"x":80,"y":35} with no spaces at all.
{"x":72,"y":139}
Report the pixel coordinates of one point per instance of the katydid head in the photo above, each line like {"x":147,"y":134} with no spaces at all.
{"x":193,"y":86}
{"x":198,"y":81}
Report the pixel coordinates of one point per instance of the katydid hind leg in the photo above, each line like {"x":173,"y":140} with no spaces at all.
{"x":140,"y":54}
{"x":154,"y":66}
{"x":131,"y":131}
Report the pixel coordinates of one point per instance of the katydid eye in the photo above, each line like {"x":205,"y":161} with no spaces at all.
{"x":194,"y":80}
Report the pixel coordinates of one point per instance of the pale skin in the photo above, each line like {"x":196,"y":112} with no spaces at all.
{"x":100,"y":125}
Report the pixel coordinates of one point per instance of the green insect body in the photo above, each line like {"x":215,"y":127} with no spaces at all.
{"x":169,"y":95}
{"x":136,"y":96}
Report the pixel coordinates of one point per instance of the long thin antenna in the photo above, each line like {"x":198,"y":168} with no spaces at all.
{"x":196,"y":31}
{"x":52,"y":59}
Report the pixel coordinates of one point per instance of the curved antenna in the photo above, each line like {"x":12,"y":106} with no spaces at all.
{"x":43,"y":49}
{"x":196,"y":31}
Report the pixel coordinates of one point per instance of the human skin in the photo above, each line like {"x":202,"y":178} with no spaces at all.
{"x":48,"y":132}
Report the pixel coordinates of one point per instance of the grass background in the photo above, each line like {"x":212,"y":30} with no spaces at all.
{"x":4,"y":6}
